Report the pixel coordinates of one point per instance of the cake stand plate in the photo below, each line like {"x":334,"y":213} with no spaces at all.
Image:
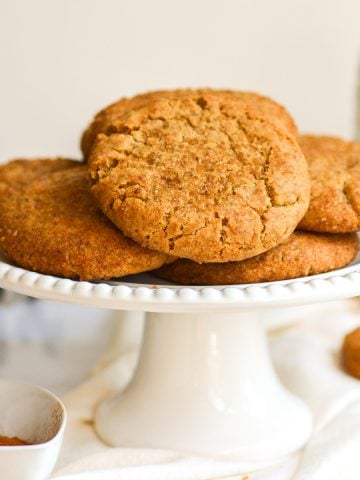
{"x":204,"y":383}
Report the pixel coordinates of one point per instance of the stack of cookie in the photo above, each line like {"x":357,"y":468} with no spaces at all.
{"x":208,"y":185}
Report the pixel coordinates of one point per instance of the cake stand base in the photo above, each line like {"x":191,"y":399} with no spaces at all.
{"x":205,"y":384}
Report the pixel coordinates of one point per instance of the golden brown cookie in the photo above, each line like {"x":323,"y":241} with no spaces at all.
{"x":51,"y":225}
{"x":111,"y":113}
{"x":301,"y":255}
{"x":351,"y":353}
{"x":202,"y":178}
{"x":334,"y":166}
{"x":268,"y":108}
{"x":20,"y":172}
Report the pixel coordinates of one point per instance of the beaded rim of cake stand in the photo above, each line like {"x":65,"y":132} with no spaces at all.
{"x":124,"y":295}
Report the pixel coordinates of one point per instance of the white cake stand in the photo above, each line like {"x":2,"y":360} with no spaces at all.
{"x":205,"y":383}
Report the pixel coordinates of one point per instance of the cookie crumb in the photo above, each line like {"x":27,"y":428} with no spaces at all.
{"x":351,"y":353}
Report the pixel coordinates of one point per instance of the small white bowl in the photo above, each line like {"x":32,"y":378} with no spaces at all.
{"x":36,"y":416}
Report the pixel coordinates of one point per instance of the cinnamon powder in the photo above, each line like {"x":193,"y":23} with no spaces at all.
{"x":11,"y":441}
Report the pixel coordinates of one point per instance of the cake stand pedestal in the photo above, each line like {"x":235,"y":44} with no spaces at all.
{"x":204,"y":383}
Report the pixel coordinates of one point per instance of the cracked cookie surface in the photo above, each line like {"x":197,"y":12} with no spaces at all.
{"x":301,"y":255}
{"x":50,"y":224}
{"x":334,"y":166}
{"x":200,"y":177}
{"x":265,"y":106}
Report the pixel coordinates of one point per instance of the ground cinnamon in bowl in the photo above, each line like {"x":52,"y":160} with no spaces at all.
{"x":11,"y":441}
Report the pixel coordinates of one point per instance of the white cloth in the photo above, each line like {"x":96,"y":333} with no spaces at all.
{"x":306,"y":357}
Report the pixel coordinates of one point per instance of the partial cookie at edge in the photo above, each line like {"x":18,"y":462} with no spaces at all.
{"x":334,"y":166}
{"x":20,"y":172}
{"x":351,"y":353}
{"x":53,"y":226}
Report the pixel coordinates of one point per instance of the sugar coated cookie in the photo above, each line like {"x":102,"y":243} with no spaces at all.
{"x":205,"y":178}
{"x":19,"y":173}
{"x":265,"y":106}
{"x":51,"y":225}
{"x":334,"y":166}
{"x":302,"y":255}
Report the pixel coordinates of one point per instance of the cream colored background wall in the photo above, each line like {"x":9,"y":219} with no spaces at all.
{"x":61,"y":60}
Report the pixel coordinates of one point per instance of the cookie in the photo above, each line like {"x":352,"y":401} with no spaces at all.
{"x":111,"y":113}
{"x":201,"y":178}
{"x":19,"y":173}
{"x":301,"y":255}
{"x":351,"y":353}
{"x":334,"y":166}
{"x":51,"y":225}
{"x":268,"y":108}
